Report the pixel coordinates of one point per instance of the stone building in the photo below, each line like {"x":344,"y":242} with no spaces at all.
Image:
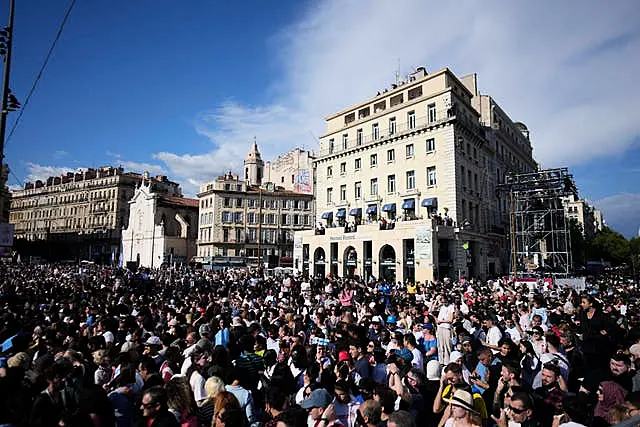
{"x":242,"y":222}
{"x":162,"y":229}
{"x":406,"y":183}
{"x":79,"y":214}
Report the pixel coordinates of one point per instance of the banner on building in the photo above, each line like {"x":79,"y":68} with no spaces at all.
{"x":304,"y":181}
{"x":577,"y":283}
{"x":424,"y":243}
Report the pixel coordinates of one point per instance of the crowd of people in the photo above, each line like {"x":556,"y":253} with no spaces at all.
{"x":102,"y":347}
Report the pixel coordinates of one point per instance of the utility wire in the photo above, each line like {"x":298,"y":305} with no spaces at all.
{"x":42,"y":68}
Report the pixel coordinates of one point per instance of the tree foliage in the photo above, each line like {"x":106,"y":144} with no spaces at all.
{"x":609,"y":245}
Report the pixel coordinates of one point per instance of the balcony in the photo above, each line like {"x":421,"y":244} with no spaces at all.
{"x":445,"y":231}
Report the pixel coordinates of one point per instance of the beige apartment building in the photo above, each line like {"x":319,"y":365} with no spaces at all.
{"x":80,"y":214}
{"x":588,"y":217}
{"x":242,"y":221}
{"x":292,"y":171}
{"x":406,"y":183}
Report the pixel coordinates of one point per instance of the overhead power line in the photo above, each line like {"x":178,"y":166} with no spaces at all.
{"x":42,"y":68}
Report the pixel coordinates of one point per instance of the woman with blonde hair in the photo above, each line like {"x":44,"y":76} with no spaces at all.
{"x":212,"y":387}
{"x":102,"y":375}
{"x":227,"y":411}
{"x":460,"y":412}
{"x":180,"y":401}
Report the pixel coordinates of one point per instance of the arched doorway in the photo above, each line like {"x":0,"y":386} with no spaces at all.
{"x":319,"y":259}
{"x":350,"y":262}
{"x":387,"y":261}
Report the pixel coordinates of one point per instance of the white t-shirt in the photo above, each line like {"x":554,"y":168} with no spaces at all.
{"x":493,"y":337}
{"x":445,"y":314}
{"x":514,"y":334}
{"x":108,"y":337}
{"x":418,"y":360}
{"x":197,"y":385}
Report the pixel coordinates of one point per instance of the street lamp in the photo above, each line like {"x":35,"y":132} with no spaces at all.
{"x":9,"y":101}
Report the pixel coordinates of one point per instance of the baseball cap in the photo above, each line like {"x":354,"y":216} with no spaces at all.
{"x":320,"y":398}
{"x":343,"y":355}
{"x":376,"y":319}
{"x":153,"y":340}
{"x":391,"y":319}
{"x":427,"y":326}
{"x":204,"y":329}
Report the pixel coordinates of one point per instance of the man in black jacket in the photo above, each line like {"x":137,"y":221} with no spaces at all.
{"x":154,"y":409}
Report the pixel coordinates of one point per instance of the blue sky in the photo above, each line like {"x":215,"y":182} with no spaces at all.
{"x":182,"y":88}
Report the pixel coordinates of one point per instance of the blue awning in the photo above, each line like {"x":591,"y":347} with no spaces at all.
{"x":372,"y":209}
{"x":355,"y":212}
{"x":389,"y":207}
{"x":430,"y":202}
{"x":327,"y":215}
{"x":341,"y":213}
{"x":409,"y":204}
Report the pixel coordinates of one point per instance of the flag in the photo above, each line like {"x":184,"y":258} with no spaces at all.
{"x":465,"y":246}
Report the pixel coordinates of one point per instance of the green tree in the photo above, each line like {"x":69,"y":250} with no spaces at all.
{"x":634,"y":250}
{"x":611,"y":246}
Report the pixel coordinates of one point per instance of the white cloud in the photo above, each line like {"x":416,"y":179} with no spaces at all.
{"x":59,"y":154}
{"x":41,"y":172}
{"x":566,"y":69}
{"x":552,"y":65}
{"x":621,"y":212}
{"x":142,"y":167}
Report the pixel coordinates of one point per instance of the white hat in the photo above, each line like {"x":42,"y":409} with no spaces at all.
{"x":376,"y":319}
{"x":455,"y":356}
{"x":463,"y":399}
{"x":433,"y":370}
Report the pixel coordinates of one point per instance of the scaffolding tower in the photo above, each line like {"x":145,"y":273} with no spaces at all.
{"x":540,"y":237}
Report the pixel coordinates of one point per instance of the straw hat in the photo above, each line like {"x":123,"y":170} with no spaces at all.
{"x":463,"y":399}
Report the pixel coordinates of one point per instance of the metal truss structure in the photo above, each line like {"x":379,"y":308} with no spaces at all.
{"x":540,"y":237}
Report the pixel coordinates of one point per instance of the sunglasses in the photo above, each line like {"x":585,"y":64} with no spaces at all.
{"x":516,"y":410}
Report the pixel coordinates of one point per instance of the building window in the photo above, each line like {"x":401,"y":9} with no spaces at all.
{"x":409,"y":150}
{"x":358,"y":190}
{"x":239,"y":203}
{"x":431,"y":112}
{"x":463,"y":176}
{"x":411,"y":180}
{"x":252,"y":203}
{"x":331,"y":146}
{"x":237,"y":217}
{"x":343,"y":168}
{"x":345,"y":141}
{"x":431,"y":176}
{"x":358,"y":164}
{"x":375,"y":131}
{"x":359,"y":137}
{"x":391,"y":155}
{"x":251,"y":218}
{"x":343,"y":192}
{"x":431,"y":145}
{"x":293,"y":179}
{"x":391,"y":184}
{"x":329,"y":195}
{"x":329,"y":171}
{"x":411,"y":119}
{"x":227,"y":202}
{"x":392,"y":125}
{"x":225,"y":235}
{"x":227,"y":217}
{"x":374,"y":186}
{"x":373,"y":160}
